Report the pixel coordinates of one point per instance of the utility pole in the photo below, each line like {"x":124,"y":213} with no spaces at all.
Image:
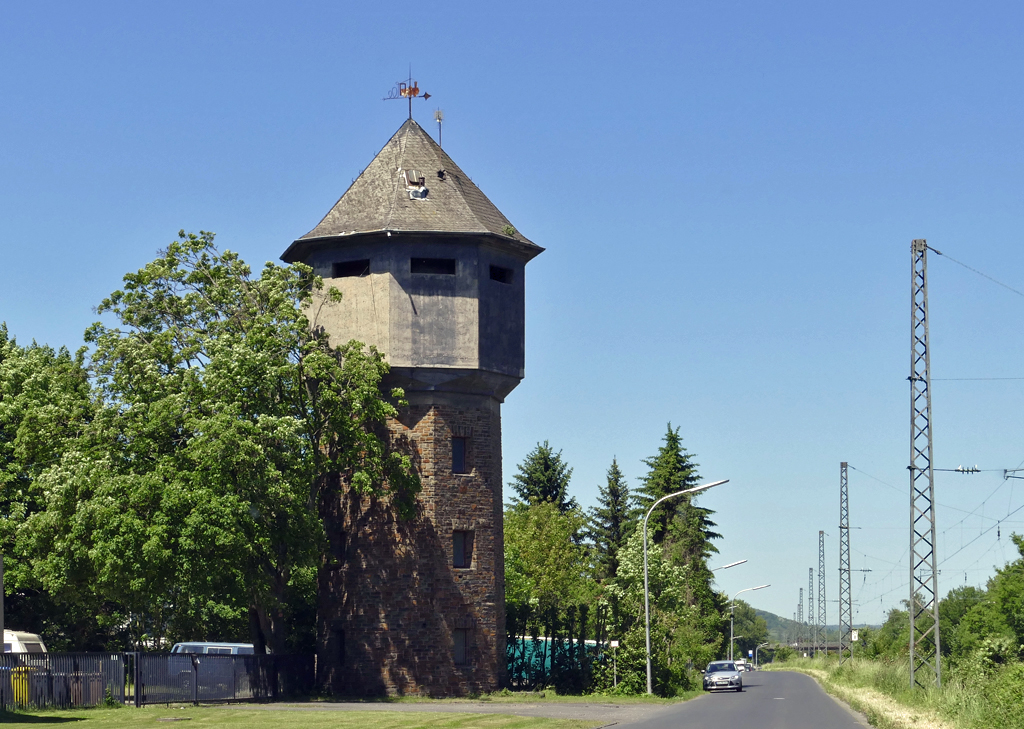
{"x":822,"y":623}
{"x":800,"y":616}
{"x":925,"y":665}
{"x":845,"y":594}
{"x":812,"y":627}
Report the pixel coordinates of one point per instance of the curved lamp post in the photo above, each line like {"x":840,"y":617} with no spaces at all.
{"x":727,"y":566}
{"x":755,"y":653}
{"x":732,"y":612}
{"x":647,"y":602}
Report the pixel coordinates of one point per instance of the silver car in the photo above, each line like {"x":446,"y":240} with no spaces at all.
{"x":723,"y":675}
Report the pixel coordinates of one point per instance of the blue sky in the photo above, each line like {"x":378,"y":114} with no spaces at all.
{"x":727,"y":192}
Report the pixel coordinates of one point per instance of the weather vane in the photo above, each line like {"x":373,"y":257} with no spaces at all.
{"x":407,"y":89}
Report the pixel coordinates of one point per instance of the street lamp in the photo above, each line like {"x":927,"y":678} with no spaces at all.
{"x":647,"y":602}
{"x":727,"y":566}
{"x":732,"y":612}
{"x":755,"y":653}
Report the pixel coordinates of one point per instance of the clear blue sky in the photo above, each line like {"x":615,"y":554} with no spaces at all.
{"x":727,"y":192}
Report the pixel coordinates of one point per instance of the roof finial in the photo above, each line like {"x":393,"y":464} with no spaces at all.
{"x":407,"y":89}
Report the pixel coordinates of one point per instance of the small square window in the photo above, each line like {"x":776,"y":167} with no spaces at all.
{"x":459,"y":455}
{"x":344,"y":269}
{"x":460,"y":636}
{"x":501,"y":275}
{"x":462,"y":549}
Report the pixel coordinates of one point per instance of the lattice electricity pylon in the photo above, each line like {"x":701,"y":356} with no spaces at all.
{"x":800,"y":611}
{"x":822,"y":638}
{"x":845,"y":594}
{"x":812,"y":627}
{"x":924,"y":584}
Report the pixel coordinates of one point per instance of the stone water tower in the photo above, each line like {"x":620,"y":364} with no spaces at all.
{"x":431,"y":273}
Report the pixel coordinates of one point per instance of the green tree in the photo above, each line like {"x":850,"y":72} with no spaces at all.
{"x":1007,"y":589}
{"x":683,"y":530}
{"x":952,"y":610}
{"x":228,"y":422}
{"x":611,"y":521}
{"x":682,"y":635}
{"x":45,"y":403}
{"x":547,"y":565}
{"x":689,"y":527}
{"x":752,"y":628}
{"x":544,"y":477}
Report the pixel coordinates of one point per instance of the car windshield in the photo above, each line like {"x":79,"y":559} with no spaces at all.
{"x":714,"y":667}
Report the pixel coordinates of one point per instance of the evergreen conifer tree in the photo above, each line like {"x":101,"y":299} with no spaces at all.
{"x":612,"y":521}
{"x":544,"y":477}
{"x":672,"y":470}
{"x":683,"y":530}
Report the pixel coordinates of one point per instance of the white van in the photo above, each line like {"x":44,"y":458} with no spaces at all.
{"x":17,"y":642}
{"x":223,"y":649}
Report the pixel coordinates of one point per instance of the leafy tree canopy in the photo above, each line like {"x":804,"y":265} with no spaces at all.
{"x":543,"y":562}
{"x":227,"y":418}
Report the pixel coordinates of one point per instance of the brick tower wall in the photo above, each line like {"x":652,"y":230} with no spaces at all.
{"x":393,"y":610}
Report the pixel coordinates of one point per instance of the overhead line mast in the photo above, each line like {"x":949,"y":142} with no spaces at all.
{"x":812,"y":627}
{"x":822,"y":623}
{"x":925,"y":665}
{"x":845,"y":594}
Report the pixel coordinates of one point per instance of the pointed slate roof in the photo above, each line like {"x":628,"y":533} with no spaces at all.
{"x":379,"y":199}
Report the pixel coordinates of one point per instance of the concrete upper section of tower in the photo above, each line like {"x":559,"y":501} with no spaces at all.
{"x":430,"y":272}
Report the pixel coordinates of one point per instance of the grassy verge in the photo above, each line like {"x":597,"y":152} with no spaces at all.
{"x":191,"y":716}
{"x":881,"y":689}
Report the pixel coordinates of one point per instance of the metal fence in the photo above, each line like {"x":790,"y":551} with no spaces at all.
{"x":69,"y":680}
{"x":61,"y":680}
{"x":179,"y":678}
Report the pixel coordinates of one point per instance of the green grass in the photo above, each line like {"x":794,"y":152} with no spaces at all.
{"x":282,"y":719}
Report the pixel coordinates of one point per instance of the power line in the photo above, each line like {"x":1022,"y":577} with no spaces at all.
{"x":969,"y":268}
{"x":994,"y":526}
{"x":973,"y":379}
{"x":937,"y":503}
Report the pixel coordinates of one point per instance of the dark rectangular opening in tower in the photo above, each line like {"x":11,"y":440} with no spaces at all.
{"x":501,"y":275}
{"x":462,"y":549}
{"x":443,"y":266}
{"x":338,"y":636}
{"x":344,"y":269}
{"x":460,"y":636}
{"x":459,"y":455}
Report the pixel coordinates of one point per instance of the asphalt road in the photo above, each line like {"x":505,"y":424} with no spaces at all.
{"x":769,"y":700}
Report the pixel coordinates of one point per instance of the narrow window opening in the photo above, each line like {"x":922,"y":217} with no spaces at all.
{"x":339,"y":645}
{"x":459,"y":455}
{"x":462,"y":549}
{"x":501,"y":275}
{"x":339,"y":542}
{"x":460,"y":637}
{"x":344,"y":269}
{"x":443,"y":266}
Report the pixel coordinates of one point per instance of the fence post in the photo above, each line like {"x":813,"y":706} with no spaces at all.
{"x":137,"y":670}
{"x":195,"y":679}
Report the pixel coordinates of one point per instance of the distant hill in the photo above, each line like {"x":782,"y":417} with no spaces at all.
{"x":784,"y":630}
